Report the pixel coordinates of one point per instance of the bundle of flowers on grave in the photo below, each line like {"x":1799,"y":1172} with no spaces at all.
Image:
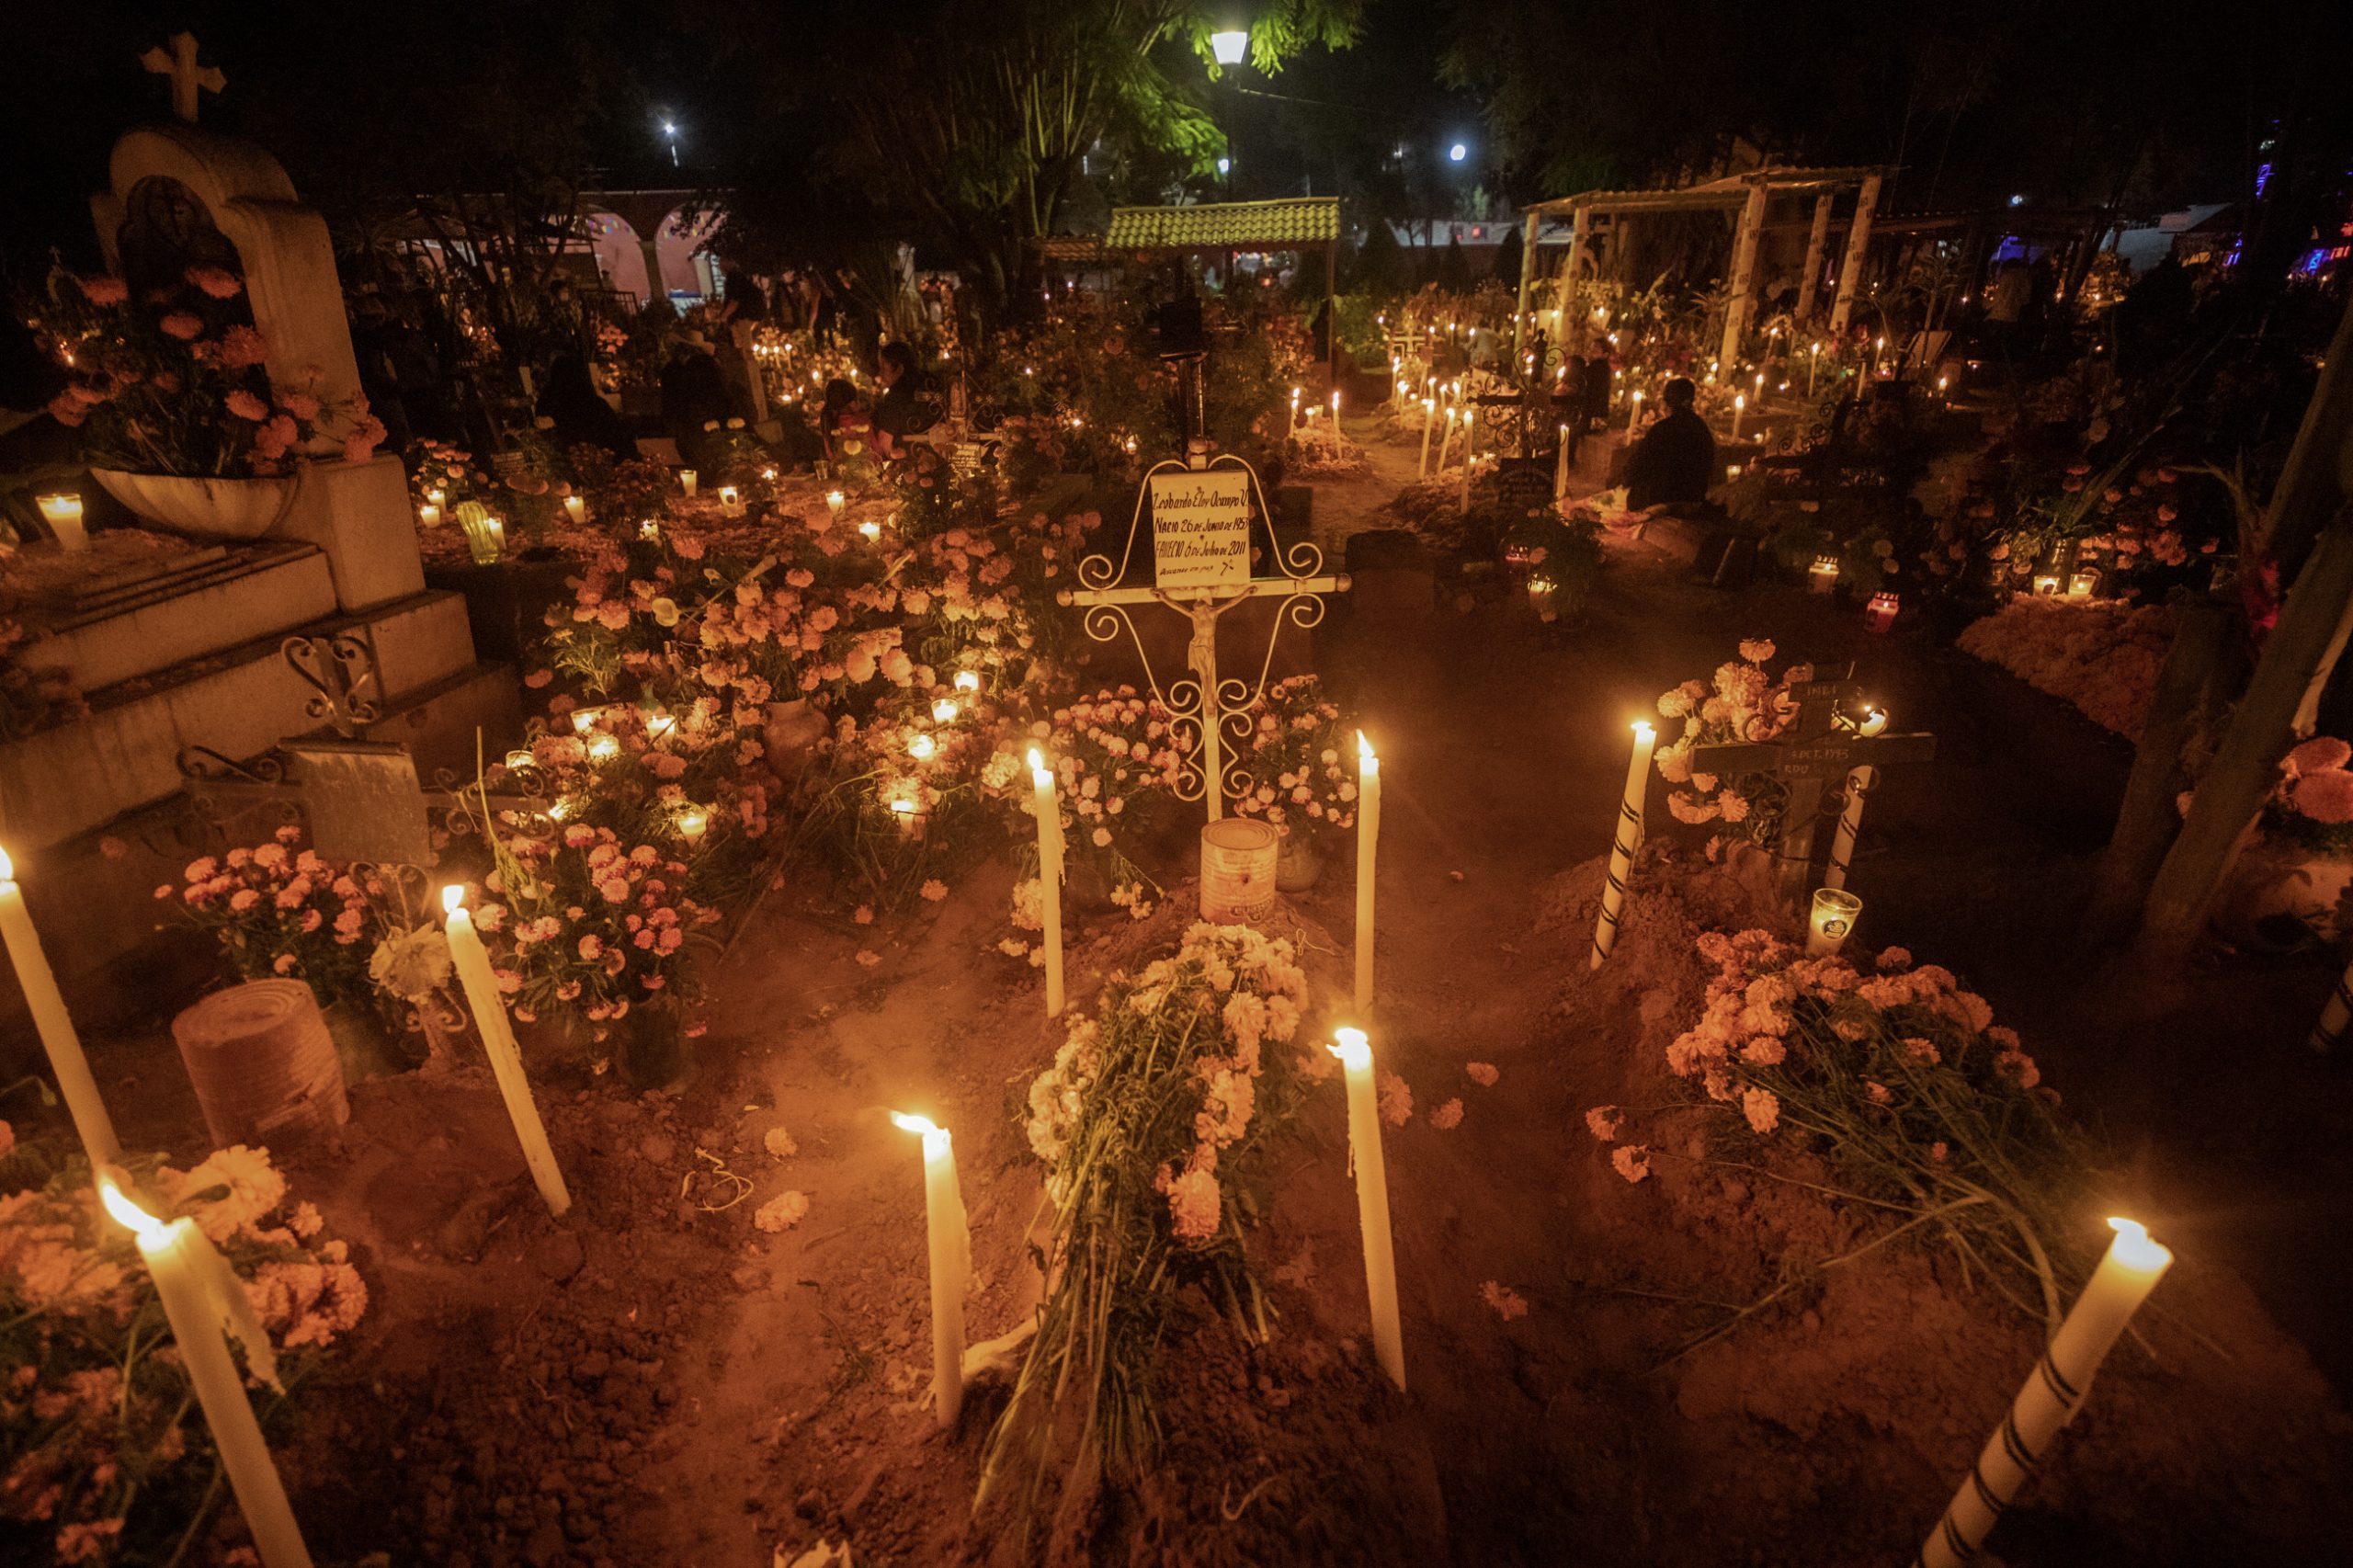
{"x":278,"y":911}
{"x":1741,"y":704}
{"x":172,"y":381}
{"x":1857,"y":533}
{"x":899,"y":807}
{"x":103,"y":1454}
{"x":1117,"y":769}
{"x":2102,"y":655}
{"x":980,"y":597}
{"x":1148,"y":1124}
{"x":583,"y":925}
{"x":1431,"y":509}
{"x":1894,"y":1081}
{"x":1318,"y":448}
{"x":2291,"y":885}
{"x":1301,"y":761}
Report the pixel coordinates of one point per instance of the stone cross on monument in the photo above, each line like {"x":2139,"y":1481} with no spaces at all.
{"x":1827,"y":741}
{"x":1202,"y":511}
{"x":179,"y":64}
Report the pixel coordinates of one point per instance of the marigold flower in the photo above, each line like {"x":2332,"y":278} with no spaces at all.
{"x":1633,"y":1160}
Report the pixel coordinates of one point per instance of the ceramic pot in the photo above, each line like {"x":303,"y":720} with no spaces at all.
{"x":202,"y":508}
{"x":1298,"y":862}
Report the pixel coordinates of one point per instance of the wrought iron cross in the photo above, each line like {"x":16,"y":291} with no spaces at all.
{"x":1203,"y":707}
{"x":179,"y":64}
{"x":1823,"y":741}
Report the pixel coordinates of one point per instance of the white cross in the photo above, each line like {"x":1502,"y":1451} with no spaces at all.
{"x":179,"y":64}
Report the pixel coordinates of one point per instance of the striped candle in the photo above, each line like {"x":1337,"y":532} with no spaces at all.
{"x":1630,"y":836}
{"x":1860,"y":782}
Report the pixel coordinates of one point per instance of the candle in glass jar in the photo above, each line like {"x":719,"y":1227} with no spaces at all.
{"x":428,"y":516}
{"x":687,"y":479}
{"x":944,"y":711}
{"x":472,"y":960}
{"x":1372,"y":1202}
{"x":693,"y":823}
{"x":439,"y":496}
{"x":835,"y":503}
{"x":63,"y":513}
{"x":730,"y":502}
{"x":1880,"y":614}
{"x":1823,"y":575}
{"x":1831,"y":921}
{"x":200,"y":1296}
{"x":949,"y":1244}
{"x":53,"y":1023}
{"x":1368,"y":846}
{"x":1047,"y":807}
{"x":576,"y":508}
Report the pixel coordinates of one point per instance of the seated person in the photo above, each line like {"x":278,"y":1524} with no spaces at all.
{"x":842,"y":418}
{"x":583,"y":418}
{"x":1675,"y":460}
{"x":908,"y":406}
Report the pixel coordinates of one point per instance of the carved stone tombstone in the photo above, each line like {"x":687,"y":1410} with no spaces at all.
{"x":179,"y":195}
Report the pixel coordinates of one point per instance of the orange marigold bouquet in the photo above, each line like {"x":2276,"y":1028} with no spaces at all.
{"x":1741,"y":703}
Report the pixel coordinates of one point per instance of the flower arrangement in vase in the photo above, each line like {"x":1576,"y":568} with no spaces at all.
{"x":1301,"y":760}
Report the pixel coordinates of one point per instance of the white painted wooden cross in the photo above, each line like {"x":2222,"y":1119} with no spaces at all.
{"x":1201,"y":512}
{"x":179,"y":64}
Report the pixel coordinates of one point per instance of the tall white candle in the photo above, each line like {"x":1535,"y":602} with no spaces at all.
{"x":1634,"y":413}
{"x":1561,"y":467}
{"x":1429,"y":417}
{"x":1470,"y":435}
{"x":198,"y":1292}
{"x":1627,"y":838}
{"x":54,"y":1024}
{"x":1859,"y":782}
{"x":1445,"y":441}
{"x":1739,"y":407}
{"x":472,"y":962}
{"x":1050,"y":874}
{"x":1335,"y":416}
{"x":686,"y":480}
{"x":1367,"y":843}
{"x":2054,"y":1391}
{"x":1372,"y":1202}
{"x":950,"y":1240}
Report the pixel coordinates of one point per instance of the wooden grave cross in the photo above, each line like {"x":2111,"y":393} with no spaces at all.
{"x":179,"y":64}
{"x":1201,"y":512}
{"x":1821,"y":744}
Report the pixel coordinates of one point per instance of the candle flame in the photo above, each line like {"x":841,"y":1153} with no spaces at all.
{"x":126,"y":1214}
{"x":1037,"y":760}
{"x":7,"y":867}
{"x":1643,"y":733}
{"x":2133,"y":1246}
{"x":967,"y":680}
{"x":922,"y":1124}
{"x":1350,"y":1046}
{"x":453,"y":897}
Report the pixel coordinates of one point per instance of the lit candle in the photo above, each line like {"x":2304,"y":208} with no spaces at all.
{"x":1634,"y":413}
{"x":1813,"y":363}
{"x":950,"y":1238}
{"x":870,"y":530}
{"x":1874,"y":722}
{"x":1372,"y":1202}
{"x":2053,"y":1392}
{"x":1292,"y":423}
{"x":1859,"y":782}
{"x":1335,"y":416}
{"x":1833,"y":917}
{"x":63,"y":513}
{"x":693,"y":823}
{"x":1561,"y":467}
{"x":910,"y":820}
{"x":54,"y":1024}
{"x":649,"y":529}
{"x":1739,"y":407}
{"x":1048,"y":811}
{"x":1621,"y":848}
{"x":921,"y":746}
{"x":967,"y":680}
{"x":1880,"y":614}
{"x":473,"y":962}
{"x":1445,"y":441}
{"x":201,"y":1298}
{"x":835,"y":503}
{"x":1367,"y":843}
{"x":687,"y":478}
{"x":576,"y":508}
{"x":1429,"y":417}
{"x":730,"y":504}
{"x":2046,"y":586}
{"x":2082,"y":583}
{"x":1823,"y":575}
{"x":438,"y":495}
{"x":1469,"y":434}
{"x":428,"y":516}
{"x":1539,"y":596}
{"x":945,"y":710}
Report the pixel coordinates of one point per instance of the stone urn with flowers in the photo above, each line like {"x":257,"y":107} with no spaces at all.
{"x":2291,"y":884}
{"x":172,"y":407}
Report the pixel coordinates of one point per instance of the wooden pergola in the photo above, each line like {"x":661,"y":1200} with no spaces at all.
{"x":1301,"y":224}
{"x":1747,"y":195}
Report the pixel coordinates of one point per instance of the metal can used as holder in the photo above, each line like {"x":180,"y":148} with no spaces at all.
{"x":1238,"y":856}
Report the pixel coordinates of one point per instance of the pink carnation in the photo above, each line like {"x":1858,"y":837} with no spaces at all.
{"x":245,"y":405}
{"x":103,"y":290}
{"x":182,"y":325}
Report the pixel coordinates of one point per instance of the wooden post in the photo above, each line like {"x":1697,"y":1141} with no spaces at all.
{"x":1858,"y":243}
{"x":2146,"y":820}
{"x":2296,"y":659}
{"x":1580,"y":224}
{"x":1817,"y":243}
{"x":2314,"y":482}
{"x":1744,"y":276}
{"x":1527,"y":221}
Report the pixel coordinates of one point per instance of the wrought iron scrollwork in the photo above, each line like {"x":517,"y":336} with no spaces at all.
{"x":341,"y":672}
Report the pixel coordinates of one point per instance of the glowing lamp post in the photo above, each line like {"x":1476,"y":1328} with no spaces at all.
{"x":1228,"y":46}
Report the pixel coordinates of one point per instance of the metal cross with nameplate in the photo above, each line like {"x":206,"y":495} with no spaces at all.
{"x":1822,"y":743}
{"x":1202,"y":510}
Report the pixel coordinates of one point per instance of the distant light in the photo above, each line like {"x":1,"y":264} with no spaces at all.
{"x":668,"y":128}
{"x":1458,"y":152}
{"x":1229,"y":47}
{"x":2017,"y":201}
{"x":1225,"y":165}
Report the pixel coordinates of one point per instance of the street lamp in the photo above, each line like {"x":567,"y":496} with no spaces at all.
{"x":1457,"y":152}
{"x":1228,"y":46}
{"x":670,"y":130}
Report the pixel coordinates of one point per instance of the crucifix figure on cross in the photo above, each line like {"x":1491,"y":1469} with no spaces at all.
{"x":178,"y":62}
{"x":1836,"y":735}
{"x":1201,"y":537}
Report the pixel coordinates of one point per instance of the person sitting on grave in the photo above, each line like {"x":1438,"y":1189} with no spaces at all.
{"x":583,"y":418}
{"x":909,"y":405}
{"x":1675,"y":460}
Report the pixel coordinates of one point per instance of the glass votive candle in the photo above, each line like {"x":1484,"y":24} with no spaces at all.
{"x":686,"y":480}
{"x":63,"y":513}
{"x":1833,"y":919}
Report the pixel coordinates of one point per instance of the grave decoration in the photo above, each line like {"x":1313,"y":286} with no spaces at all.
{"x":1756,"y":751}
{"x":1154,"y":1108}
